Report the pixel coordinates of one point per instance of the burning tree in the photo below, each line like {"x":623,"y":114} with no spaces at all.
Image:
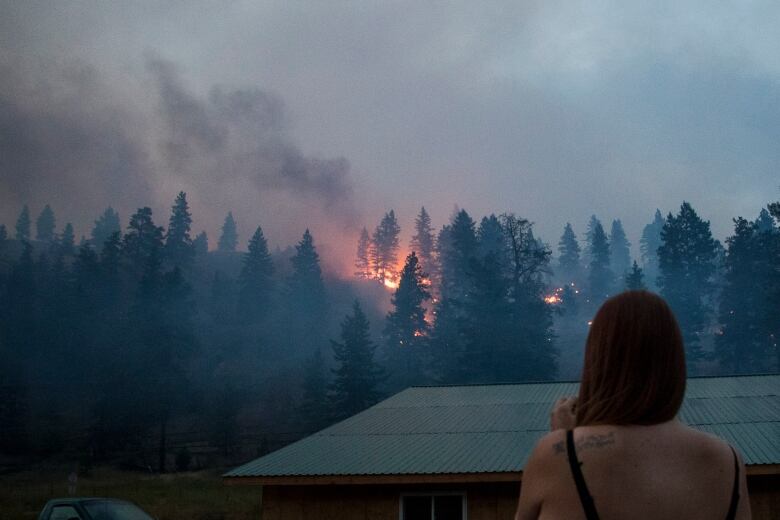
{"x":384,"y":253}
{"x":406,"y":331}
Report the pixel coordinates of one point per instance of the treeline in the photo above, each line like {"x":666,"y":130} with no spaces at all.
{"x":109,"y":346}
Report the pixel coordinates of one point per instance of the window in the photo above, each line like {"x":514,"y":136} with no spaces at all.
{"x":433,"y":506}
{"x":64,"y":513}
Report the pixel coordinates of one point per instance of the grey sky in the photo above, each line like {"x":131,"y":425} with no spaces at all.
{"x":553,"y":110}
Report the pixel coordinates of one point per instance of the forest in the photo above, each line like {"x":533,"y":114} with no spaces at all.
{"x":155,"y":348}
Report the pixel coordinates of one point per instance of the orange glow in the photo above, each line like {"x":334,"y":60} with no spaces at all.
{"x":390,"y":284}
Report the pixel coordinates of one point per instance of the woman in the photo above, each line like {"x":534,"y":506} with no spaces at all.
{"x":617,"y":451}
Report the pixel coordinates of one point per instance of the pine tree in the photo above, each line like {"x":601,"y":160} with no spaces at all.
{"x":423,"y":243}
{"x":490,"y":239}
{"x":200,"y":245}
{"x":105,"y":226}
{"x":649,"y":244}
{"x":178,"y":243}
{"x":306,"y":288}
{"x":619,"y":247}
{"x":385,"y":247}
{"x":67,"y":241}
{"x":23,"y":225}
{"x":457,"y":248}
{"x":45,"y":224}
{"x":568,"y":255}
{"x":406,"y":330}
{"x":255,"y":281}
{"x":229,"y":238}
{"x":745,"y":343}
{"x":764,"y":222}
{"x":363,"y":260}
{"x":686,"y":261}
{"x":635,"y":278}
{"x":142,"y":240}
{"x":313,"y":411}
{"x":600,"y":276}
{"x":357,"y":375}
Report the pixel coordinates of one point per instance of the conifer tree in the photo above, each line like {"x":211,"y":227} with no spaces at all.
{"x":178,"y":243}
{"x":686,"y":261}
{"x":142,"y":240}
{"x":635,"y":278}
{"x":200,"y":244}
{"x":568,"y":255}
{"x":406,"y":331}
{"x":458,"y":247}
{"x":745,"y":343}
{"x":3,"y":235}
{"x":45,"y":224}
{"x":600,"y":276}
{"x":385,"y":246}
{"x":255,"y":281}
{"x":229,"y":238}
{"x":490,"y":238}
{"x":649,"y":244}
{"x":764,"y":222}
{"x":362,"y":259}
{"x":619,"y":247}
{"x":313,"y":412}
{"x":106,"y":225}
{"x":423,"y":243}
{"x":23,"y":225}
{"x":307,"y":290}
{"x":357,"y":376}
{"x":67,"y":241}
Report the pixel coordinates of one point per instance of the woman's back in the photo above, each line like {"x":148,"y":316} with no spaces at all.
{"x":666,"y":470}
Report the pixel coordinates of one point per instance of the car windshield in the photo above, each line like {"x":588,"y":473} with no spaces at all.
{"x":113,"y":510}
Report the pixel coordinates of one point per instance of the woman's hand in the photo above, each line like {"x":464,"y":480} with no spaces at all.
{"x":564,"y":414}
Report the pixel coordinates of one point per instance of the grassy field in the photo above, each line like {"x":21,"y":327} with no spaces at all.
{"x":178,"y":496}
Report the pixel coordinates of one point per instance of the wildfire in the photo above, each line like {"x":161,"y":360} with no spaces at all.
{"x":390,"y":283}
{"x":555,"y":297}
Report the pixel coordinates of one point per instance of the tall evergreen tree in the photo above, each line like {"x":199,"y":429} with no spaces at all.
{"x":406,"y":331}
{"x":3,"y":235}
{"x":649,"y":244}
{"x":764,"y":222}
{"x":313,"y":411}
{"x":255,"y":281}
{"x":229,"y":238}
{"x":568,"y":256}
{"x":142,"y":240}
{"x":745,"y":343}
{"x":423,"y":243}
{"x":686,"y":261}
{"x":45,"y":224}
{"x":357,"y":376}
{"x":363,"y":257}
{"x":385,"y":246}
{"x":23,"y":225}
{"x":619,"y":247}
{"x":635,"y":278}
{"x":600,"y":277}
{"x":178,"y":243}
{"x":106,"y":225}
{"x":67,"y":241}
{"x":306,"y":289}
{"x":458,"y":247}
{"x":490,"y":238}
{"x":200,"y":245}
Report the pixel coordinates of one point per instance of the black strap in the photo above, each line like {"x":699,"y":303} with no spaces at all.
{"x":734,"y":490}
{"x":579,"y":480}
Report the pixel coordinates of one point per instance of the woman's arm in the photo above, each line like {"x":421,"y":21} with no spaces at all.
{"x":538,"y":476}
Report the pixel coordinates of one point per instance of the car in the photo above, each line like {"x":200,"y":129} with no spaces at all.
{"x":92,"y":509}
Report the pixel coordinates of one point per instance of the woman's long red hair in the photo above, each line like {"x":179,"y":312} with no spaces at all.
{"x":634,"y":369}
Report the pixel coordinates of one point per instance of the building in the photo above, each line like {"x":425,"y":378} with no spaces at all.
{"x":461,"y":450}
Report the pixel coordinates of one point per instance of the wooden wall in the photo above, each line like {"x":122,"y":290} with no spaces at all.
{"x":485,"y":501}
{"x":368,"y":502}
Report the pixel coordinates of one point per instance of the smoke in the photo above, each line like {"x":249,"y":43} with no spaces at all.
{"x":71,"y":138}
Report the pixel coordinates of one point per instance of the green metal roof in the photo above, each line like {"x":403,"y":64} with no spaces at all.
{"x":493,"y":428}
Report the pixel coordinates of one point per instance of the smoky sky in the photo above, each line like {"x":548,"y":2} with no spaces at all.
{"x":293,"y":113}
